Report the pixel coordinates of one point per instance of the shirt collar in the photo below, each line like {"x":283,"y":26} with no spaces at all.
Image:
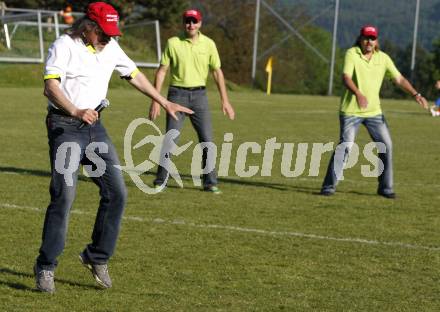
{"x":184,"y":37}
{"x":86,"y":47}
{"x":359,"y":51}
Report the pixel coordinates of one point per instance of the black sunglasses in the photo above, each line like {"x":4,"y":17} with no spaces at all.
{"x":190,"y":20}
{"x":370,"y":38}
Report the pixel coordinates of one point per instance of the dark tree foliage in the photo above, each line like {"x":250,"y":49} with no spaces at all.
{"x":36,"y":4}
{"x":230,"y":24}
{"x":424,"y":75}
{"x":296,"y":69}
{"x":168,"y":12}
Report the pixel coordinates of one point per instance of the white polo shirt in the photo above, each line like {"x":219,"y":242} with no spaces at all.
{"x":85,"y":73}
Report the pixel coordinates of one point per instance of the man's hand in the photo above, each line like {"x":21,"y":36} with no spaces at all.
{"x":362,"y":100}
{"x":220,"y":81}
{"x":87,"y":115}
{"x":228,"y":110}
{"x":403,"y":83}
{"x":422,"y":101}
{"x":154,"y":110}
{"x":173,"y":108}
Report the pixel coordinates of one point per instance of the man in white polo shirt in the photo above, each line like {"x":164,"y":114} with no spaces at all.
{"x":78,"y":69}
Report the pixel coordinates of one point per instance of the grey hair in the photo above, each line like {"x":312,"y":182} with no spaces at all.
{"x":80,"y":26}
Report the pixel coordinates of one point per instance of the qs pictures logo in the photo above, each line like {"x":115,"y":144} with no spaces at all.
{"x":163,"y":148}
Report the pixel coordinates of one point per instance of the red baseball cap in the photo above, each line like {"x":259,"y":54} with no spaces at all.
{"x":105,"y":16}
{"x":193,"y":13}
{"x":369,"y":30}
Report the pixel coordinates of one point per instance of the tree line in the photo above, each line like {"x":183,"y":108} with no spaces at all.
{"x":297,"y":69}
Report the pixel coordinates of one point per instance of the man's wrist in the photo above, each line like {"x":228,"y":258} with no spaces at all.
{"x":76,"y":113}
{"x":417,"y":94}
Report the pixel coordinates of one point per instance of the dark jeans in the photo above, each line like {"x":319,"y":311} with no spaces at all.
{"x":62,"y":129}
{"x":378,"y":130}
{"x":197,"y":101}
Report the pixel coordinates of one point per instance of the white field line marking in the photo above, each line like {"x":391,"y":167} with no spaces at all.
{"x":244,"y":230}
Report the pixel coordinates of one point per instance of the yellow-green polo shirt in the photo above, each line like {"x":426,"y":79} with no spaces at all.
{"x":368,"y":76}
{"x":190,"y":62}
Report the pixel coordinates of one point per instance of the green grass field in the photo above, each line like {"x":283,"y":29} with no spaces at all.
{"x":265,"y":244}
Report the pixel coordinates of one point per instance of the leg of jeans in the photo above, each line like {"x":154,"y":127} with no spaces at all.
{"x":349,"y":126}
{"x":111,"y":206}
{"x":379,"y":132}
{"x":62,"y":191}
{"x":56,"y":220}
{"x":201,"y":121}
{"x":180,"y":97}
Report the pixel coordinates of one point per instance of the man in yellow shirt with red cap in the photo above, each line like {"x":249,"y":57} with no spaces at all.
{"x":190,"y":57}
{"x":365,"y":67}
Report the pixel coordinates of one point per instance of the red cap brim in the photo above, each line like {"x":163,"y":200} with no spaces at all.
{"x":111,"y":30}
{"x":193,"y":16}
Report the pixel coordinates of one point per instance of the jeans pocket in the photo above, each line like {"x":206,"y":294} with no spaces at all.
{"x":172,"y":92}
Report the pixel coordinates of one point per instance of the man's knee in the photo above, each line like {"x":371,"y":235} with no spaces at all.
{"x":62,"y":195}
{"x":118,"y":196}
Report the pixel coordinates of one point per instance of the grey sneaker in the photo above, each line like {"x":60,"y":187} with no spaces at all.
{"x":99,"y":271}
{"x":325,"y":192}
{"x":44,"y":279}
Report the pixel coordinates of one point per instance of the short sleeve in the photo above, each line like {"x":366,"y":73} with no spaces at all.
{"x":348,"y":63}
{"x":166,"y":55}
{"x":391,"y":69}
{"x":214,"y":58}
{"x":124,"y":65}
{"x":57,"y":60}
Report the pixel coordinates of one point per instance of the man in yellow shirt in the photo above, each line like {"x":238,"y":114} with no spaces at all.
{"x":365,"y":67}
{"x":190,"y":57}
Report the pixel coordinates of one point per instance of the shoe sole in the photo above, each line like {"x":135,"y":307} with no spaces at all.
{"x":326,"y":194}
{"x":90,"y":268}
{"x":387,"y":196}
{"x":213,"y":192}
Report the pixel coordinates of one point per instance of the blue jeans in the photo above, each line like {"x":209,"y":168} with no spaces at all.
{"x":378,"y":130}
{"x":62,"y":129}
{"x":197,"y":101}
